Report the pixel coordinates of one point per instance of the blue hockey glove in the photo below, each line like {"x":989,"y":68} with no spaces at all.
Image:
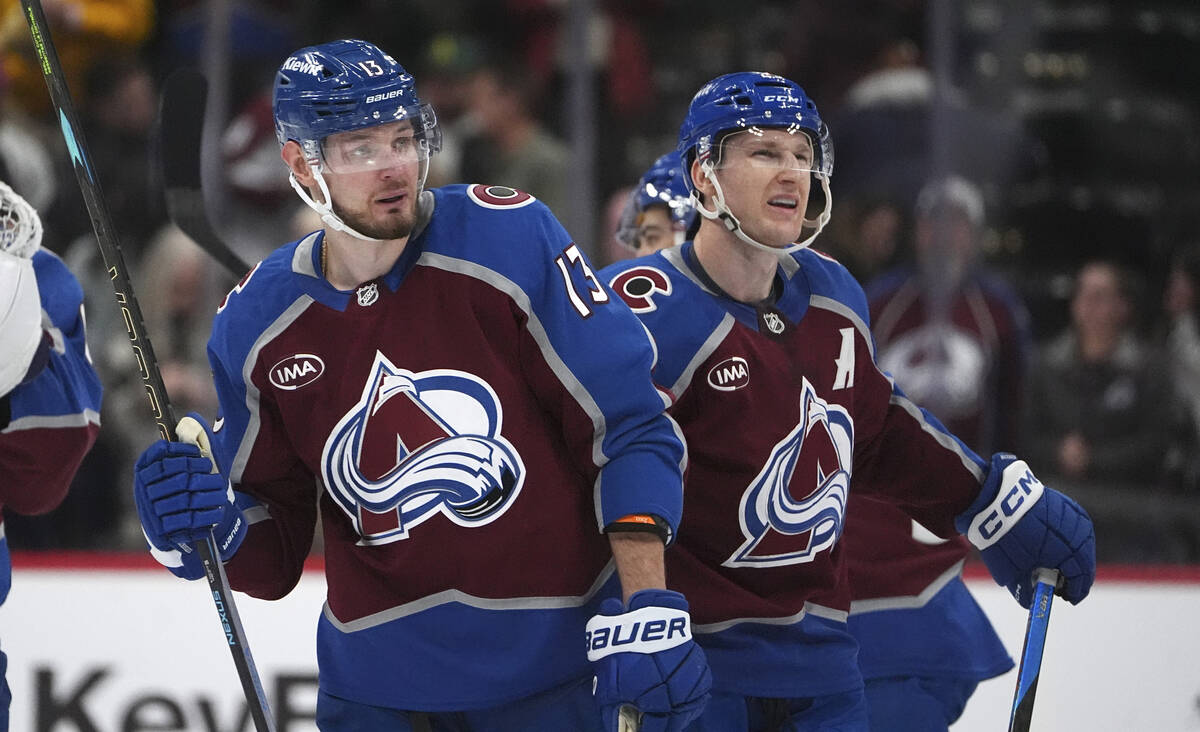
{"x":1019,"y":525}
{"x":644,"y":657}
{"x":181,"y":497}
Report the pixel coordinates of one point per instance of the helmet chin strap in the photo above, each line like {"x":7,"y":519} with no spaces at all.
{"x":325,"y":210}
{"x":721,"y":212}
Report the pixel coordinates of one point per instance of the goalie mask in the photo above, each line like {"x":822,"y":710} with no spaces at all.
{"x":343,"y":86}
{"x":751,"y":101}
{"x":662,"y":185}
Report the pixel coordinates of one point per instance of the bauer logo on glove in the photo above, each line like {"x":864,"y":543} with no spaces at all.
{"x":648,"y":630}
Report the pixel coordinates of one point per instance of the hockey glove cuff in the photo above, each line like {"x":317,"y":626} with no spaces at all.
{"x":181,"y":497}
{"x":1019,"y":525}
{"x":644,"y":657}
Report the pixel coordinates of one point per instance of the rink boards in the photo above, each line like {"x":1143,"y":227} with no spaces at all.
{"x":117,"y":643}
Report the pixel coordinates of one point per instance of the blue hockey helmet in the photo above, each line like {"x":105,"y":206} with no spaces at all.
{"x":661,"y":185}
{"x":346,"y":85}
{"x":746,"y":101}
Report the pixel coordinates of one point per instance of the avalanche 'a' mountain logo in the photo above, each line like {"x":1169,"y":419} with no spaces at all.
{"x":417,"y":444}
{"x":796,"y":506}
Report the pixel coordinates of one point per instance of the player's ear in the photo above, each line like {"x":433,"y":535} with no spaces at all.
{"x":293,"y":156}
{"x":700,"y":181}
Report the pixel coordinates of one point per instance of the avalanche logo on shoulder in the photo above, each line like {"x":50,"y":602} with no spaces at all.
{"x":498,"y":197}
{"x":795,"y":507}
{"x":419,"y":444}
{"x":296,"y":371}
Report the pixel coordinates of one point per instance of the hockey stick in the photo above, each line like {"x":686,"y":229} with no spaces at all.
{"x":181,"y":125}
{"x":1046,"y":581}
{"x":164,"y":418}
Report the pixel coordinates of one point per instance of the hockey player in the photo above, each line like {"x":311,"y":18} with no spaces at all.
{"x":421,"y":373}
{"x":764,"y":347}
{"x":659,"y":211}
{"x":49,"y":391}
{"x":924,"y":643}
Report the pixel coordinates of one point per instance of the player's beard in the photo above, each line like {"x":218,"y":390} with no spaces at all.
{"x":394,"y":226}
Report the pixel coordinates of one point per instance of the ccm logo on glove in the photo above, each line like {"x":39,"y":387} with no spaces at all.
{"x":648,"y":630}
{"x":1019,"y":490}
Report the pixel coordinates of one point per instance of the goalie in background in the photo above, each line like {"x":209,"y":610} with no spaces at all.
{"x":49,"y":391}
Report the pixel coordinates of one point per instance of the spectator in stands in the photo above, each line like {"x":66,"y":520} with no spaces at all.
{"x":1100,"y":403}
{"x":955,"y":336}
{"x":899,"y":121}
{"x":1181,"y":340}
{"x":513,"y":148}
{"x":86,"y":32}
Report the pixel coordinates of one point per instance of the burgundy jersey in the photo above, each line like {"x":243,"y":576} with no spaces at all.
{"x":965,"y":363}
{"x":463,"y":440}
{"x":49,"y":422}
{"x":784,"y":411}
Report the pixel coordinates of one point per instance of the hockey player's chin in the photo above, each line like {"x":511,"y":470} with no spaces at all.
{"x":393,"y":226}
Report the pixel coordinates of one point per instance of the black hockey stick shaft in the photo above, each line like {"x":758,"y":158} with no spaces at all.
{"x":181,"y":125}
{"x":164,"y":418}
{"x":1045,"y":582}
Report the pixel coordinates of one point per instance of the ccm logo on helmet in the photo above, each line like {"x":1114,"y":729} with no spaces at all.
{"x":296,"y":371}
{"x":779,"y":98}
{"x":384,"y":97}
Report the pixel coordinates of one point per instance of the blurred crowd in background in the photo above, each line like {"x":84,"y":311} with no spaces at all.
{"x":1041,"y":297}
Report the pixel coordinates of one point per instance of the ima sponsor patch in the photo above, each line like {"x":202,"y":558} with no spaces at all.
{"x":296,"y":371}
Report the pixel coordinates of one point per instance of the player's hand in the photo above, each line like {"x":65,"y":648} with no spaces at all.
{"x":1020,"y":525}
{"x":644,"y":657}
{"x":181,"y":497}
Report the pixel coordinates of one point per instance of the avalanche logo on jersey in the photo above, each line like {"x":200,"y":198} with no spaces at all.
{"x":796,"y":506}
{"x":418,"y":444}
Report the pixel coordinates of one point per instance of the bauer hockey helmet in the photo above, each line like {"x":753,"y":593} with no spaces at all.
{"x":662,"y":184}
{"x":342,"y":86}
{"x":743,"y":102}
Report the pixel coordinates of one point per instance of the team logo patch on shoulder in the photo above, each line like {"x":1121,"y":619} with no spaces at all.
{"x":639,"y":286}
{"x":732,"y":373}
{"x":296,"y":371}
{"x":499,"y":196}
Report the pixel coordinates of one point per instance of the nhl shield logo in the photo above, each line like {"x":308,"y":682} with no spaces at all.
{"x":773,"y":322}
{"x":419,"y":444}
{"x":367,"y":294}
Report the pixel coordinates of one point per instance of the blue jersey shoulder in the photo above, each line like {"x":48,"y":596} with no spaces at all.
{"x":497,"y":227}
{"x":827,"y":277}
{"x":60,"y":292}
{"x":267,"y":290}
{"x":680,"y":314}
